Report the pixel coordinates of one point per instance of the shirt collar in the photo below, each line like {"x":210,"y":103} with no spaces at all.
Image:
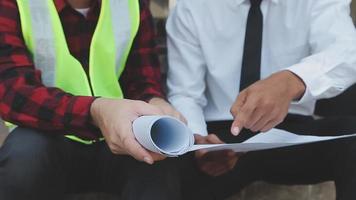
{"x":238,"y":2}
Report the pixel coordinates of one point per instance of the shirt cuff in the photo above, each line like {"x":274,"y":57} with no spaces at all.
{"x":78,"y":120}
{"x":198,"y":128}
{"x":193,"y":114}
{"x":306,"y":104}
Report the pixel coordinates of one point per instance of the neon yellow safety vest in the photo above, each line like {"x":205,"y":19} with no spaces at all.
{"x":111,"y":43}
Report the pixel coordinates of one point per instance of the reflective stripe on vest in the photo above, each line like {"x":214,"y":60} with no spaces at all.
{"x":110,"y":46}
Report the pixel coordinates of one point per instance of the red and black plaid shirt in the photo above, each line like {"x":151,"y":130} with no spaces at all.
{"x":24,"y":99}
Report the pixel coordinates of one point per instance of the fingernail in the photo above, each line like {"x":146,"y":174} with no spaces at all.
{"x":148,"y":160}
{"x":235,"y":131}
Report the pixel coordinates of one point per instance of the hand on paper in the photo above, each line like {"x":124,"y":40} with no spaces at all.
{"x":115,"y":117}
{"x":167,"y":109}
{"x":264,"y":104}
{"x":214,"y":163}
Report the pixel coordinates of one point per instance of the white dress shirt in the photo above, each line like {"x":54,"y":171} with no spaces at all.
{"x":83,"y":11}
{"x":315,"y":39}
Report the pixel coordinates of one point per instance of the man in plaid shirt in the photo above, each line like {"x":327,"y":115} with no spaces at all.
{"x":36,"y":161}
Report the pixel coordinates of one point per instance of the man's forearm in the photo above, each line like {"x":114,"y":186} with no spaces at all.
{"x":26,"y":102}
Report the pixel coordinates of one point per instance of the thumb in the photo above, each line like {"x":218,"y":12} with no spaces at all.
{"x":137,"y":151}
{"x":131,"y":145}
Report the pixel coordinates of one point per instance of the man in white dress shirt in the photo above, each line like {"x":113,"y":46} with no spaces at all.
{"x":240,"y":66}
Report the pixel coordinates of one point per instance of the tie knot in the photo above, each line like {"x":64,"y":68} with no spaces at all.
{"x":255,"y":3}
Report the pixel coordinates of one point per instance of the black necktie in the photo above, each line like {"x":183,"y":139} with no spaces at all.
{"x":251,"y":61}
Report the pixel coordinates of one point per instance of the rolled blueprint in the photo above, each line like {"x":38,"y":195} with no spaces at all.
{"x":169,"y":136}
{"x":163,"y":134}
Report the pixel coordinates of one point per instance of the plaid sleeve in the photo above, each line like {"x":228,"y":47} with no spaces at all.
{"x":141,"y":78}
{"x":24,"y":100}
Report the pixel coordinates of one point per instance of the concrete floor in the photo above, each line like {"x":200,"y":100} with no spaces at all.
{"x":258,"y":191}
{"x":264,"y":191}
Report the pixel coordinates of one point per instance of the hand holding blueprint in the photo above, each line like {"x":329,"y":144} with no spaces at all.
{"x":168,"y":136}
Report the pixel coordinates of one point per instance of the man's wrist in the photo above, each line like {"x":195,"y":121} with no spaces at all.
{"x":94,"y":110}
{"x":149,"y":97}
{"x":295,"y":84}
{"x":154,"y":99}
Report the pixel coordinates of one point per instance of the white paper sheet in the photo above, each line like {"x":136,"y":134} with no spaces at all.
{"x":274,"y":138}
{"x":166,"y":135}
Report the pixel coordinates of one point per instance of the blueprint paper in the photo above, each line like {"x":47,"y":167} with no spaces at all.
{"x":168,"y":136}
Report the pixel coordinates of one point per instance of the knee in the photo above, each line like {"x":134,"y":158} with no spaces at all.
{"x":25,"y":147}
{"x":160,"y":171}
{"x":158,"y":181}
{"x":24,"y":159}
